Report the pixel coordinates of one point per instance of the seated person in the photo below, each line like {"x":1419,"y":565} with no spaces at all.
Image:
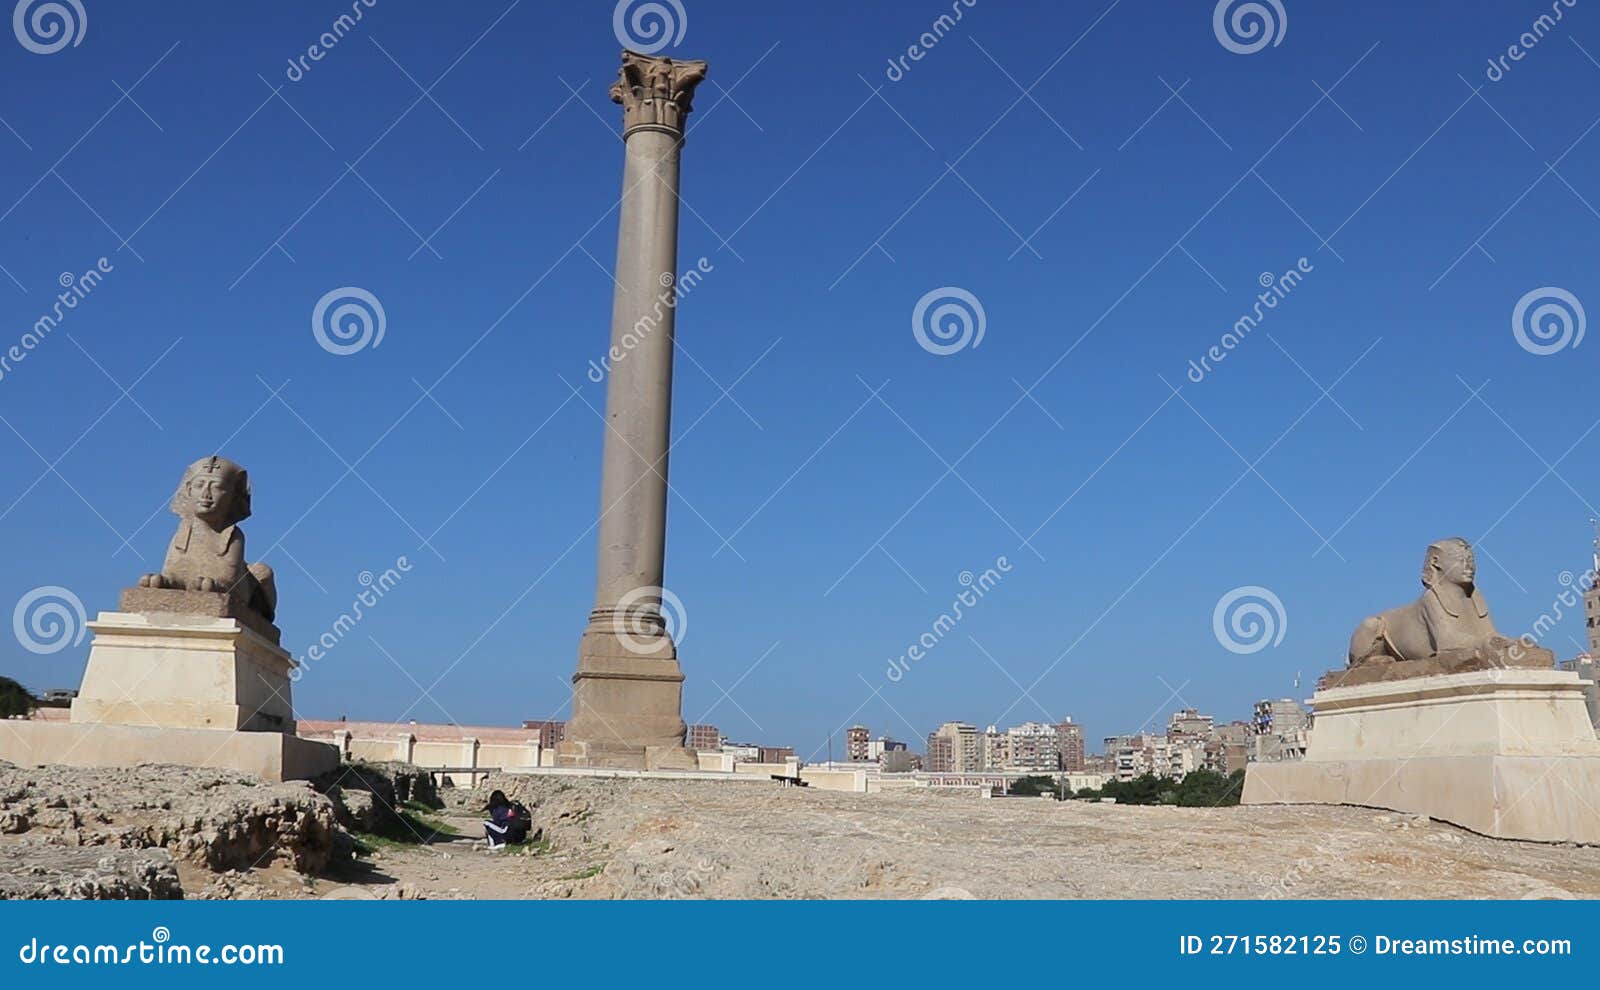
{"x":508,"y":822}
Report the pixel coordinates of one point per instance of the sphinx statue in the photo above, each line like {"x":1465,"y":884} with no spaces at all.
{"x":1446,"y":630}
{"x":207,"y":553}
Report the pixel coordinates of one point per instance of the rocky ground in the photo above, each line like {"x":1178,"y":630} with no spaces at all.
{"x":166,"y":831}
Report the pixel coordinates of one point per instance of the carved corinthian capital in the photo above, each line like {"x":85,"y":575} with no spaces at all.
{"x":655,"y":92}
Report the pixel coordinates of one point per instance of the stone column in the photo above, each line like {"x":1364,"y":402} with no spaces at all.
{"x":627,"y":692}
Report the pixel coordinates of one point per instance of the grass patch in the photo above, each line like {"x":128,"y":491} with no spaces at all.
{"x":592,"y":871}
{"x":533,"y":848}
{"x":415,"y":828}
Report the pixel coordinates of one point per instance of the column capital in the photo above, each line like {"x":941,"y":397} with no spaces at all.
{"x":655,"y":92}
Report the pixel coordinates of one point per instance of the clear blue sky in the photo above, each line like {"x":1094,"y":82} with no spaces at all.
{"x":829,"y":200}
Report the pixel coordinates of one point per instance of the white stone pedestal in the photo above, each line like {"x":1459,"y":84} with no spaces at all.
{"x":184,"y":689}
{"x":1507,"y":753}
{"x":184,"y":672}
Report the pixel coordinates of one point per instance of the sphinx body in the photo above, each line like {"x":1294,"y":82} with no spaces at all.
{"x":1450,"y":616}
{"x":207,"y":553}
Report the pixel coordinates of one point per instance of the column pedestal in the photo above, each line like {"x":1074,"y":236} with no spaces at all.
{"x":627,"y":706}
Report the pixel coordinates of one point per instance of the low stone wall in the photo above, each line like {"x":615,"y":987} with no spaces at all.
{"x":431,"y":746}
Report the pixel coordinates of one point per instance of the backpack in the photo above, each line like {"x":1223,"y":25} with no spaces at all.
{"x":519,"y":822}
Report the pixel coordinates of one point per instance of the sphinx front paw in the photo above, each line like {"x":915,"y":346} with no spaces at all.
{"x":152,"y":581}
{"x":204,"y":584}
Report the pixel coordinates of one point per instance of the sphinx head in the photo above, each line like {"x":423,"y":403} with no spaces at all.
{"x":216,"y":490}
{"x":1450,"y":561}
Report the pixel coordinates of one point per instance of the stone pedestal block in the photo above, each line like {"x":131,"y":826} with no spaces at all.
{"x":626,"y":706}
{"x":165,"y":670}
{"x":191,"y":690}
{"x":1506,"y":753}
{"x":272,"y":756}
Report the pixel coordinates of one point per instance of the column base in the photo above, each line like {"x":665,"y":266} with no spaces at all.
{"x":627,"y":706}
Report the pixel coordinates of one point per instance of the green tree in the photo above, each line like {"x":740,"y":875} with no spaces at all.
{"x":1032,"y":786}
{"x":14,"y":699}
